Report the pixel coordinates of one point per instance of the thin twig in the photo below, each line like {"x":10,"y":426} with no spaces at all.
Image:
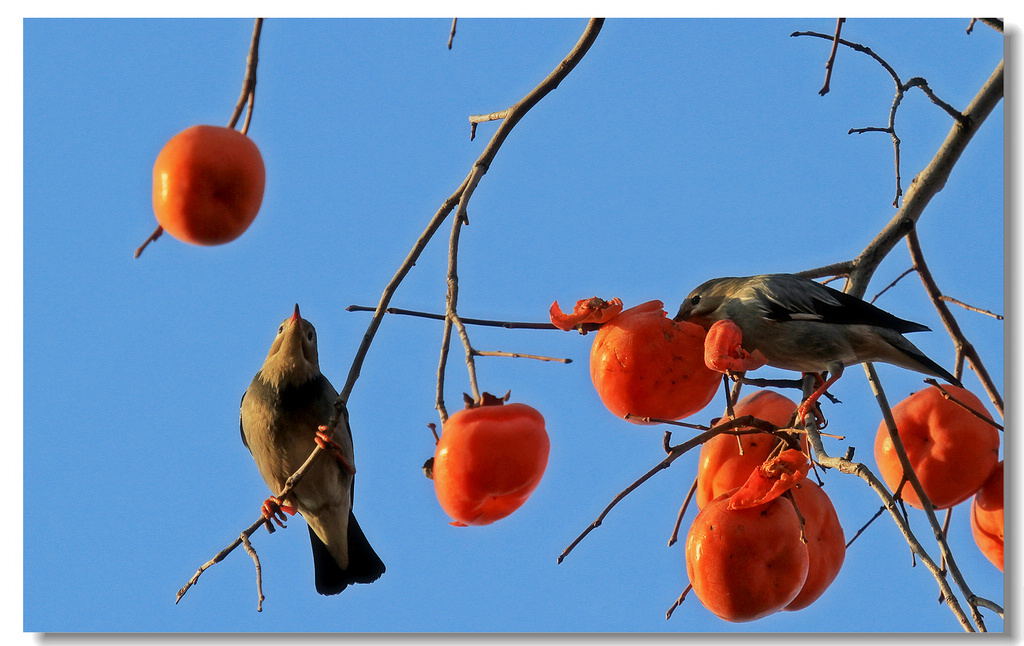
{"x":682,"y":511}
{"x":482,"y":118}
{"x":977,"y":413}
{"x":442,"y":365}
{"x":972,"y":308}
{"x":835,"y":270}
{"x":945,"y":532}
{"x":451,"y":34}
{"x":832,"y":57}
{"x":679,"y":601}
{"x":517,"y":355}
{"x":248,"y":95}
{"x":881,"y":510}
{"x":922,"y":84}
{"x":451,"y":298}
{"x":854,"y":46}
{"x":152,"y":238}
{"x":891,"y":285}
{"x":656,"y":420}
{"x":508,"y":325}
{"x":994,"y":23}
{"x":963,"y":346}
{"x":259,"y":571}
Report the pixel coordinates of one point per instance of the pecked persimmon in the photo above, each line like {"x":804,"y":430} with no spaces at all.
{"x":745,"y":564}
{"x":987,"y":517}
{"x":826,"y":543}
{"x":723,"y":350}
{"x":208,"y":185}
{"x":773,"y":478}
{"x":721,"y":466}
{"x":591,"y":310}
{"x":952,"y":451}
{"x":646,"y":364}
{"x":490,"y":458}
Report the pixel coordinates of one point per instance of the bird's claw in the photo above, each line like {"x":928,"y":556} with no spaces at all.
{"x":273,"y":510}
{"x":809,"y":406}
{"x":327,"y":444}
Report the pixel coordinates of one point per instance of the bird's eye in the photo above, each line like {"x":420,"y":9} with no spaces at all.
{"x":280,"y":329}
{"x":309,"y":335}
{"x":695,"y":299}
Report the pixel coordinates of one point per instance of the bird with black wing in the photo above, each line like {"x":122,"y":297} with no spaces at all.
{"x":283,"y":410}
{"x":800,"y":324}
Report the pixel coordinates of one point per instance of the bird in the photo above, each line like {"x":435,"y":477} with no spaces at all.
{"x":284,"y":413}
{"x":799,"y":324}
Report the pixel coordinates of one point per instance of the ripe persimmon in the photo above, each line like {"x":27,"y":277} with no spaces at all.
{"x":952,"y":451}
{"x":646,"y":364}
{"x":987,"y":517}
{"x":721,"y":466}
{"x":826,"y":543}
{"x":745,"y":564}
{"x":489,"y":460}
{"x":208,"y":185}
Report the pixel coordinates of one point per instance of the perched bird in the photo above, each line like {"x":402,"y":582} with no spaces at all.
{"x":799,"y":324}
{"x":282,"y":410}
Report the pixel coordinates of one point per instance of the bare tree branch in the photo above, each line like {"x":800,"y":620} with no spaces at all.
{"x":516,"y":112}
{"x":846,"y":465}
{"x":289,"y":485}
{"x":927,"y":184}
{"x":963,"y":346}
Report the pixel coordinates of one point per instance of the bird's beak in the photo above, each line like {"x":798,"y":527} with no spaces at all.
{"x":295,"y":314}
{"x":682,"y":314}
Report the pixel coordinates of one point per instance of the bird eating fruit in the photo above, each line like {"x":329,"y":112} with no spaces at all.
{"x":799,"y":324}
{"x":283,"y":414}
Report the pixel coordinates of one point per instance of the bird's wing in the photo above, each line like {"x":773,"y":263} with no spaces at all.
{"x":794,"y":298}
{"x":241,"y":429}
{"x":343,"y":422}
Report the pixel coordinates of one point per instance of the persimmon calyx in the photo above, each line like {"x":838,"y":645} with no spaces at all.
{"x":588,"y":310}
{"x":723,"y":352}
{"x":486,"y":399}
{"x":771,"y":479}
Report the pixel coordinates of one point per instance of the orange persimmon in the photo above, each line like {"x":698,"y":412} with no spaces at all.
{"x":646,"y":364}
{"x":745,"y":564}
{"x":489,"y":460}
{"x":208,"y":185}
{"x":721,"y":466}
{"x":987,"y":517}
{"x":826,"y":543}
{"x":952,"y":451}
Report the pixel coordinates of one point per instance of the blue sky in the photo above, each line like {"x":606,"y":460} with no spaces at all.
{"x":677,"y":151}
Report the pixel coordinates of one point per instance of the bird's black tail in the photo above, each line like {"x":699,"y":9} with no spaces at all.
{"x":935,"y":368}
{"x":364,"y":566}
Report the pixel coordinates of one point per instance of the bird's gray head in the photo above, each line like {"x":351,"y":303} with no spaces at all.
{"x":292,"y":359}
{"x":703,"y":303}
